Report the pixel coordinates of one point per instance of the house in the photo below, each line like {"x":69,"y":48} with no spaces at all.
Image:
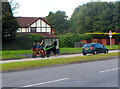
{"x":37,"y":25}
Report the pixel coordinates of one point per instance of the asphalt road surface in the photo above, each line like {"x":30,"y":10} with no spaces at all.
{"x":102,"y":73}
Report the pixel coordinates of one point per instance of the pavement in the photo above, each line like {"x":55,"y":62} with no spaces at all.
{"x":51,"y":57}
{"x":102,"y":73}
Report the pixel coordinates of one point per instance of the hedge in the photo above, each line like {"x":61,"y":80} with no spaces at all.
{"x":24,"y":41}
{"x":21,"y":42}
{"x":68,"y":40}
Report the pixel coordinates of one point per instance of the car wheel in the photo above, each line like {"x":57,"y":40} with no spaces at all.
{"x":106,"y":51}
{"x":84,"y":54}
{"x":95,"y":52}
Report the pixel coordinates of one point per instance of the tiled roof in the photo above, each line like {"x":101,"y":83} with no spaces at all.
{"x":43,"y":34}
{"x":27,"y":21}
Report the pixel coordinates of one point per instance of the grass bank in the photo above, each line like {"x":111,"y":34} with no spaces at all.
{"x":17,"y":53}
{"x":57,"y":61}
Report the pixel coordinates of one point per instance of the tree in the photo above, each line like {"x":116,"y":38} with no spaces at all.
{"x":95,"y":17}
{"x":59,"y":22}
{"x":14,"y":5}
{"x":116,"y":18}
{"x":9,"y":23}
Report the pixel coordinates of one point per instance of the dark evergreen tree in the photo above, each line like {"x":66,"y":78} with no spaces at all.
{"x":9,"y":23}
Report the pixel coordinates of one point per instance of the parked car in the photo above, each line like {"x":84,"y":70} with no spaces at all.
{"x":94,"y":48}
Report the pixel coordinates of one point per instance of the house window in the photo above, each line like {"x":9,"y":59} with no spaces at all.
{"x":33,"y":29}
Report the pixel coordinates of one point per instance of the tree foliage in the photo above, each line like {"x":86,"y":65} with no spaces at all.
{"x":14,"y":5}
{"x":59,"y":22}
{"x":95,"y":17}
{"x":9,"y":24}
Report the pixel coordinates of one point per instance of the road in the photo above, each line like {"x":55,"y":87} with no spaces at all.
{"x":51,"y":57}
{"x":102,"y":73}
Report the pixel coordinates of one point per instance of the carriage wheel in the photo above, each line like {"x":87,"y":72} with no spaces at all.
{"x":43,"y":54}
{"x":47,"y":55}
{"x":33,"y":55}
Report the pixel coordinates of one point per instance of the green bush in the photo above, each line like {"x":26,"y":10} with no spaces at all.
{"x":68,"y":40}
{"x":35,"y":37}
{"x":21,"y":42}
{"x":117,"y":37}
{"x":85,"y":37}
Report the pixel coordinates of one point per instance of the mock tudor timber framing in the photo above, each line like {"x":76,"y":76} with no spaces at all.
{"x":37,"y":25}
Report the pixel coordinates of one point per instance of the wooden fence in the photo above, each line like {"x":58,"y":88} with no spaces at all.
{"x":102,"y":41}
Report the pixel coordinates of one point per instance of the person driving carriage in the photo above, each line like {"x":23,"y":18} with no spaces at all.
{"x":39,"y":45}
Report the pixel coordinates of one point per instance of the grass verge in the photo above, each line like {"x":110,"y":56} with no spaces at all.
{"x":70,"y":50}
{"x":112,"y":47}
{"x":57,"y":61}
{"x":17,"y":53}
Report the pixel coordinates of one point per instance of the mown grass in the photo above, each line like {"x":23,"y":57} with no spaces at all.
{"x":112,"y":47}
{"x":70,"y":50}
{"x":57,"y":61}
{"x":17,"y":53}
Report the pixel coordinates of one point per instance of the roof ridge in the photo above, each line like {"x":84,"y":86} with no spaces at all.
{"x":28,"y":17}
{"x":27,"y":21}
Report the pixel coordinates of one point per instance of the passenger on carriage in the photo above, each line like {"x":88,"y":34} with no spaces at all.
{"x":38,"y":46}
{"x":34,"y":47}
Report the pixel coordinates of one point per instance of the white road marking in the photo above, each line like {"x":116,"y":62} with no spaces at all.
{"x":109,"y":70}
{"x":46,"y":82}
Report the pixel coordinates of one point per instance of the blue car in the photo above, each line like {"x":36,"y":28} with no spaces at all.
{"x":94,"y":48}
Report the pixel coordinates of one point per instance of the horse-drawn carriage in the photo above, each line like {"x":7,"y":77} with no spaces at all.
{"x":45,"y":52}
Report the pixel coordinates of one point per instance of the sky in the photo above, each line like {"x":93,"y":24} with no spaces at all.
{"x":41,"y":8}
